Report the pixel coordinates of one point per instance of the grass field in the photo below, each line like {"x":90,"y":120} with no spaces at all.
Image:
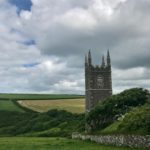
{"x":9,"y":106}
{"x":71,"y":105}
{"x":20,"y":143}
{"x":42,"y":105}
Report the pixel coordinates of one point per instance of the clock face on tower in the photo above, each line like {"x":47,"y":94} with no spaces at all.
{"x":100,"y":83}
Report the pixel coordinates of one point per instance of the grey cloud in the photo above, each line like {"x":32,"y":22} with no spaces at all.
{"x":125,"y":33}
{"x":64,"y":30}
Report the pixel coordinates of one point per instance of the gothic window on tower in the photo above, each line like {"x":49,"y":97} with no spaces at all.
{"x":100,"y":83}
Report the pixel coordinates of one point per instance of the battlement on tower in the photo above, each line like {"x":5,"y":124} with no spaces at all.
{"x":99,"y":68}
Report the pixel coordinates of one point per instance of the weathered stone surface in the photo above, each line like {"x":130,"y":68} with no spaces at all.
{"x":118,"y":140}
{"x":98,"y":82}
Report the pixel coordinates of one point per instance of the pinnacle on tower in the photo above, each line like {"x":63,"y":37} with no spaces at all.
{"x":86,"y":61}
{"x":89,"y":58}
{"x":103,"y":61}
{"x":108,"y":59}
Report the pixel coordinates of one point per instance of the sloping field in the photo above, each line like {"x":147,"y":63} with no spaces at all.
{"x":9,"y":106}
{"x":71,"y":105}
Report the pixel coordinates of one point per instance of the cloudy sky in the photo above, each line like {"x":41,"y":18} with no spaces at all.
{"x":43,"y":43}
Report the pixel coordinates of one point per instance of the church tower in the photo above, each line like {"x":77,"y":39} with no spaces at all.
{"x":98,"y":83}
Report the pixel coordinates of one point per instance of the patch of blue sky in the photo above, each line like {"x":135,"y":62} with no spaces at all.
{"x":29,"y":42}
{"x":26,"y":42}
{"x":21,"y":4}
{"x":30,"y":65}
{"x":13,"y":30}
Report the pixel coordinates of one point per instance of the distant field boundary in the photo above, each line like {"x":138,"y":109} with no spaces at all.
{"x":38,"y":96}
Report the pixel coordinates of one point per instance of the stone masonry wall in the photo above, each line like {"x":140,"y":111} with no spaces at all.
{"x":117,"y":140}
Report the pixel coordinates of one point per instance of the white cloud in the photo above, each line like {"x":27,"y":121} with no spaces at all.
{"x":25,"y":14}
{"x":77,"y":18}
{"x":63,"y":30}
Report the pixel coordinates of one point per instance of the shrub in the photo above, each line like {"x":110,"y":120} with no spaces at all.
{"x":15,"y":123}
{"x":136,"y":121}
{"x":115,"y":106}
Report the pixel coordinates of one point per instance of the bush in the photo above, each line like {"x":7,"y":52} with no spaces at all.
{"x":136,"y":121}
{"x":115,"y":106}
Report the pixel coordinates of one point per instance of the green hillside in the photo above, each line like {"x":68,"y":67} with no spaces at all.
{"x":136,"y":121}
{"x":51,"y":123}
{"x":124,"y":113}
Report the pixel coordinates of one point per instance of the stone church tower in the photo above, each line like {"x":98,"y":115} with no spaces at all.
{"x":98,"y":83}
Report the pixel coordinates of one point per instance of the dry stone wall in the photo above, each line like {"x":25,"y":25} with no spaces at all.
{"x":118,"y":140}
